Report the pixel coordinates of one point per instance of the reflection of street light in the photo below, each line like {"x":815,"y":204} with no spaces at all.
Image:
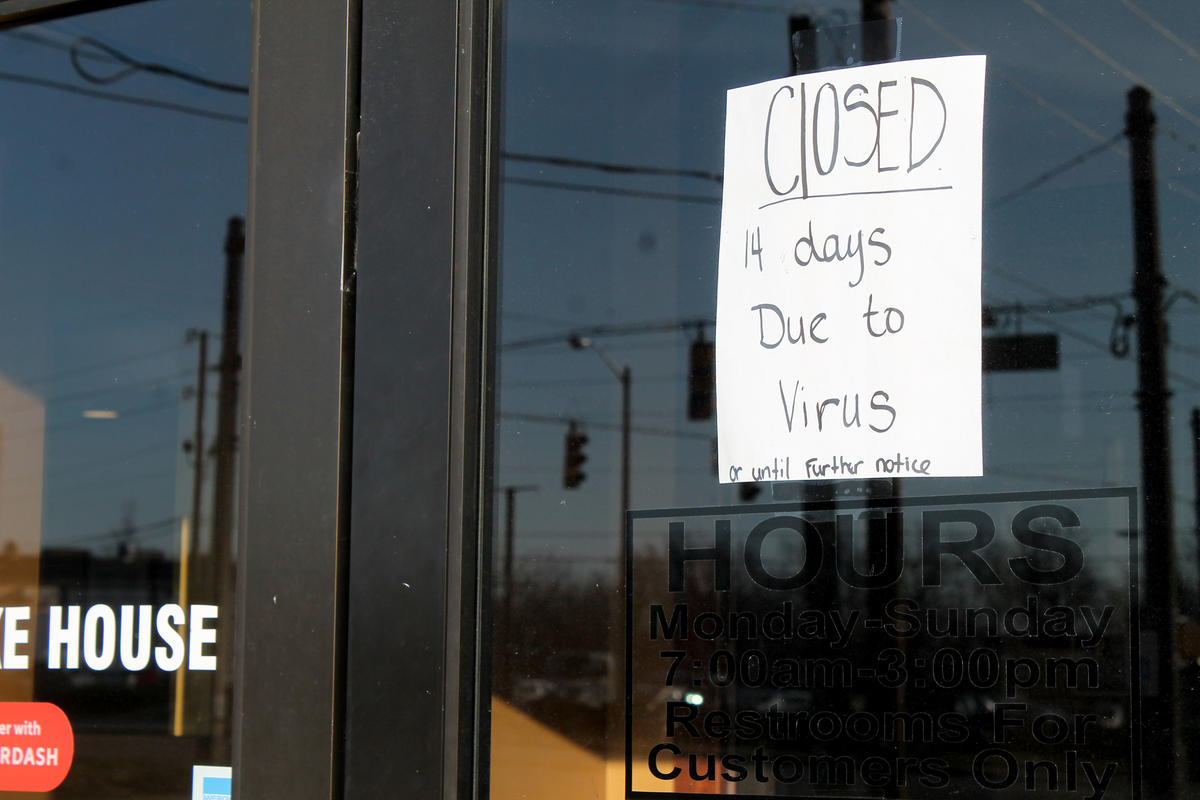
{"x":622,"y":374}
{"x":615,"y":629}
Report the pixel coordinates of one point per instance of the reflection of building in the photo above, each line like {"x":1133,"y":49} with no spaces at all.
{"x":22,"y":420}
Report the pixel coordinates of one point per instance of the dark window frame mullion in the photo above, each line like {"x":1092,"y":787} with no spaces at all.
{"x":418,"y":580}
{"x":472,"y":491}
{"x":289,"y":689}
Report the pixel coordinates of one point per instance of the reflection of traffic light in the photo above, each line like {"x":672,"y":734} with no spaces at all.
{"x":701,"y":380}
{"x":573,"y":475}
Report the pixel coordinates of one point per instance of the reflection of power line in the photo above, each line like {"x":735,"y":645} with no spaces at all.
{"x":1050,"y":294}
{"x":1028,"y":283}
{"x":121,"y":387}
{"x":93,"y":49}
{"x":87,"y":487}
{"x":33,"y":36}
{"x":118,"y":533}
{"x":1117,"y":346}
{"x":617,"y":347}
{"x":549,"y":419}
{"x":114,"y":458}
{"x":107,"y":460}
{"x":1179,"y":139}
{"x":539,"y":319}
{"x":1066,"y":406}
{"x":1056,"y":396}
{"x":1072,"y":333}
{"x":132,"y":65}
{"x":592,"y":188}
{"x":728,"y":5}
{"x":1191,"y":383}
{"x":1163,"y":30}
{"x":1120,"y":68}
{"x":1061,"y":304}
{"x":100,"y":94}
{"x":1038,"y":99}
{"x":1111,"y":143}
{"x":1057,"y":305}
{"x":632,"y":329}
{"x":62,"y":426}
{"x":1055,"y":171}
{"x":1043,"y":103}
{"x":82,"y":369}
{"x":614,"y":168}
{"x":545,"y":382}
{"x":159,"y":381}
{"x":116,"y":480}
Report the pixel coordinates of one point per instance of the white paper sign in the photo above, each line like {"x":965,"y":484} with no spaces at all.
{"x":848,"y":294}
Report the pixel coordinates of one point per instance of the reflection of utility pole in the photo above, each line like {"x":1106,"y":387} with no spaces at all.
{"x":225,"y":446}
{"x":510,"y":516}
{"x":876,"y":31}
{"x":1160,"y":729}
{"x":196,"y":445}
{"x":1196,"y":526}
{"x":190,"y":533}
{"x":803,"y":44}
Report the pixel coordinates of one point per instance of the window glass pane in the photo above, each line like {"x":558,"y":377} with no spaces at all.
{"x":613,"y":158}
{"x":122,"y":189}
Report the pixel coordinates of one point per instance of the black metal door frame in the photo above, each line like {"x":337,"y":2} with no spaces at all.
{"x":290,"y":673}
{"x":368,"y":402}
{"x":422,"y":403}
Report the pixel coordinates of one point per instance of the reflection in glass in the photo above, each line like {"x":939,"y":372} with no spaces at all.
{"x":613,"y":126}
{"x":122,"y":187}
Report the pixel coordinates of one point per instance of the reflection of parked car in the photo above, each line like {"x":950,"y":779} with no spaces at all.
{"x":673,"y":694}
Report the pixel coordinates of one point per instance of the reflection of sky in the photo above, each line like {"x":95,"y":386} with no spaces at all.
{"x":643,"y":82}
{"x":112,"y":221}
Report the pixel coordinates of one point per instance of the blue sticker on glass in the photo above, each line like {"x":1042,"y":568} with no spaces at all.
{"x":218,"y":789}
{"x":212,"y":783}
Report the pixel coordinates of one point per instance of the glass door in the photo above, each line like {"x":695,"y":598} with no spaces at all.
{"x":805,"y":627}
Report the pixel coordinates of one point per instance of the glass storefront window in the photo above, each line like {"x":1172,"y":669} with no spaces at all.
{"x":611,"y":199}
{"x":122,"y":194}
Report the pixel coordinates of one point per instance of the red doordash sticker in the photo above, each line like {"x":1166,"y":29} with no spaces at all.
{"x":36,"y":747}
